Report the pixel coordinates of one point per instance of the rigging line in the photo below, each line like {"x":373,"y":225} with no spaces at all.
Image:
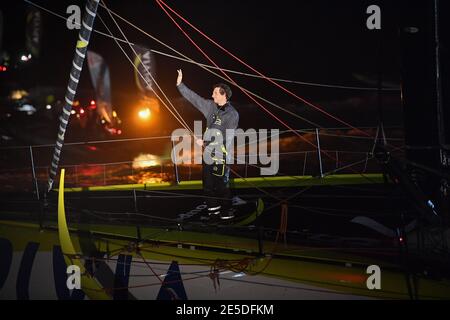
{"x":334,"y":196}
{"x":160,"y":2}
{"x":80,"y":210}
{"x":193,"y":42}
{"x":198,"y":196}
{"x":122,"y":140}
{"x":311,"y":178}
{"x":104,"y":6}
{"x":329,"y":172}
{"x":212,"y":67}
{"x":153,"y":271}
{"x":322,"y":211}
{"x":178,"y":136}
{"x":143,"y":78}
{"x":335,"y":285}
{"x":287,"y":287}
{"x":157,"y":234}
{"x":116,"y":39}
{"x":235,"y":158}
{"x":187,"y":59}
{"x":209,"y":59}
{"x":220,"y":198}
{"x":182,"y":194}
{"x":153,"y":262}
{"x":308,"y":249}
{"x":176,"y":272}
{"x":282,"y":174}
{"x":254,"y":94}
{"x":167,"y":282}
{"x":112,"y":289}
{"x":145,"y":196}
{"x":380,"y":192}
{"x":274,"y":249}
{"x":88,"y":142}
{"x":173,"y":221}
{"x":271,"y":103}
{"x":168,"y":158}
{"x":145,"y":67}
{"x":351,"y":165}
{"x":259,"y":104}
{"x":180,"y":119}
{"x":250,"y":282}
{"x":312,"y":84}
{"x":255,"y":75}
{"x":309,"y":187}
{"x":265,"y":109}
{"x":206,"y":56}
{"x":252,"y":165}
{"x":149,"y":72}
{"x":167,"y":194}
{"x":128,"y":215}
{"x":259,"y":167}
{"x":354,"y":137}
{"x":206,"y":69}
{"x":171,"y":49}
{"x":254,"y":186}
{"x":253,"y":69}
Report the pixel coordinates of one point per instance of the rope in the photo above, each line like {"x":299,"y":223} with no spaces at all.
{"x":181,"y":121}
{"x":314,"y":84}
{"x":177,"y":136}
{"x":187,"y":59}
{"x":145,"y":67}
{"x":232,"y":81}
{"x":145,"y":80}
{"x":208,"y":70}
{"x":161,"y":2}
{"x":180,"y":116}
{"x":308,"y":187}
{"x":160,"y":89}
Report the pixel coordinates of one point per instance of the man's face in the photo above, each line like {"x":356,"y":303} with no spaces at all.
{"x":218,"y":98}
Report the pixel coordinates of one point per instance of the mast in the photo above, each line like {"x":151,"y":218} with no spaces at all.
{"x":74,"y":77}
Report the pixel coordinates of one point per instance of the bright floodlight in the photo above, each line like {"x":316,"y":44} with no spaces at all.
{"x":144,"y":114}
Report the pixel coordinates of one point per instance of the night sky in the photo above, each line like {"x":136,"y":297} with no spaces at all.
{"x":314,"y":41}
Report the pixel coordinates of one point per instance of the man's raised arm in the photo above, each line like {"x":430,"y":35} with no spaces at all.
{"x":203,"y":105}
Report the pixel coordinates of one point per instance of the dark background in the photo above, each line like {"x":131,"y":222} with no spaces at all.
{"x":314,"y":41}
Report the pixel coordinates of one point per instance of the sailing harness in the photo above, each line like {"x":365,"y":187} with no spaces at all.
{"x":219,"y":160}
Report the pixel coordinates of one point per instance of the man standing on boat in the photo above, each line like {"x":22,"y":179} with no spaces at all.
{"x":220,"y":115}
